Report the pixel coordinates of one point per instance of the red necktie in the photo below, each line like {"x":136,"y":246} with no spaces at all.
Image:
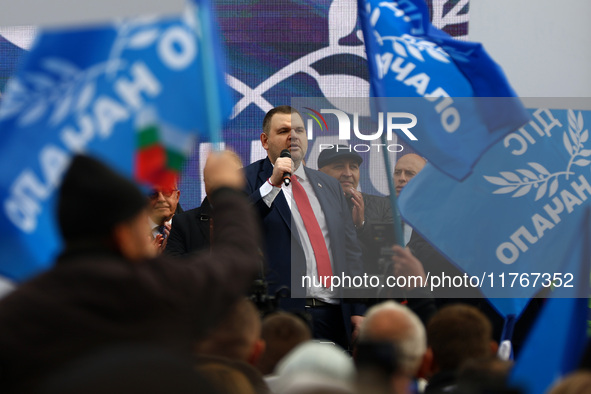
{"x":312,"y":227}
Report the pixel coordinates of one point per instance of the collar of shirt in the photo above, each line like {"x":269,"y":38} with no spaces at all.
{"x":153,"y":225}
{"x":301,"y":173}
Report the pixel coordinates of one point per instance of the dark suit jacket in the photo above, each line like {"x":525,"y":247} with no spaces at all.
{"x":283,"y":251}
{"x":94,"y":298}
{"x":377,"y":211}
{"x":190,"y":231}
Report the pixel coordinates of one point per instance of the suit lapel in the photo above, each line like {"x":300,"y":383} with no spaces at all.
{"x":280,"y":201}
{"x":319,"y":190}
{"x":266,"y":171}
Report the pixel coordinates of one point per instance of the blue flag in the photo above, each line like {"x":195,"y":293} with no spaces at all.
{"x":408,"y":57}
{"x":131,"y":93}
{"x":556,"y":342}
{"x":511,"y":223}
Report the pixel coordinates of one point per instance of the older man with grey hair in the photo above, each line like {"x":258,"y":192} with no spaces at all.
{"x":391,"y":322}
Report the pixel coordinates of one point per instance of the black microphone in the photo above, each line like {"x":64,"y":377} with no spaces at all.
{"x":286,"y":175}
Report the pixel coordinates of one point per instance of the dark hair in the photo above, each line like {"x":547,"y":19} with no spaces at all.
{"x":457,"y":333}
{"x":282,"y":331}
{"x":282,"y":109}
{"x":233,"y":337}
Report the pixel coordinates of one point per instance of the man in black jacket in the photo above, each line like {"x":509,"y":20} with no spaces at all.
{"x":368,"y":210}
{"x":192,"y":230}
{"x":107,"y":290}
{"x":342,"y":163}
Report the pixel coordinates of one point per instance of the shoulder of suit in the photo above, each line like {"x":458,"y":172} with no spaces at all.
{"x":255,"y":166}
{"x":374,"y":199}
{"x":319,"y":176}
{"x":187,"y":215}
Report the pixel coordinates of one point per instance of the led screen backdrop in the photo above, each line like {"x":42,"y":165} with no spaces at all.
{"x":276,"y":49}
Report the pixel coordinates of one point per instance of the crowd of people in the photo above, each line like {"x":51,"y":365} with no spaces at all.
{"x":148,"y":298}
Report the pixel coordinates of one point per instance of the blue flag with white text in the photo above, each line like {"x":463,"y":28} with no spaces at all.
{"x":557,"y":340}
{"x":513,"y":221}
{"x":408,"y":57}
{"x":132,"y":93}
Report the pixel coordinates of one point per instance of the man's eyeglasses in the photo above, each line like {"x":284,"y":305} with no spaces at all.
{"x":165,"y":192}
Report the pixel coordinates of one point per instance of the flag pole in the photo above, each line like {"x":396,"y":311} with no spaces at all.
{"x":507,"y":336}
{"x":204,"y":16}
{"x":399,"y":236}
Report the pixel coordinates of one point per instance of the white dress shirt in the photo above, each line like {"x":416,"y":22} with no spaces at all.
{"x":269,"y":193}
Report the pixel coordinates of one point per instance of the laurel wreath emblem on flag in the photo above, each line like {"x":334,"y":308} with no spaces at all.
{"x":522,"y":181}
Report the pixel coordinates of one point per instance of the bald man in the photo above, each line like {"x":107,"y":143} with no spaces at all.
{"x":406,"y":168}
{"x":391,"y":322}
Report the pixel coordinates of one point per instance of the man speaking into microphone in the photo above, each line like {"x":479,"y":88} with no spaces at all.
{"x":307,"y":228}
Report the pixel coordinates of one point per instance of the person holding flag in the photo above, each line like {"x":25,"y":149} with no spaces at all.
{"x":463,"y":104}
{"x":135,"y":93}
{"x":107,"y":288}
{"x":512,"y":190}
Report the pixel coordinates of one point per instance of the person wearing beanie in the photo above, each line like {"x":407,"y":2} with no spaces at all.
{"x":94,"y":203}
{"x":107,"y":289}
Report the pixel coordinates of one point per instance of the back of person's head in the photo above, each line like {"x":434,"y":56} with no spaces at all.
{"x":237,"y":337}
{"x":82,"y":209}
{"x":281,"y":332}
{"x":392,"y":322}
{"x":482,"y":374}
{"x":129,"y":369}
{"x":316,"y":385}
{"x":578,"y":382}
{"x":314,"y":365}
{"x":379,"y":369}
{"x":457,"y":333}
{"x":225,"y":378}
{"x":100,"y":209}
{"x":254,"y":377}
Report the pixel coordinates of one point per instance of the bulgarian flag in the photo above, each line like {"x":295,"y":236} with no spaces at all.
{"x":160,"y":153}
{"x":135,"y":93}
